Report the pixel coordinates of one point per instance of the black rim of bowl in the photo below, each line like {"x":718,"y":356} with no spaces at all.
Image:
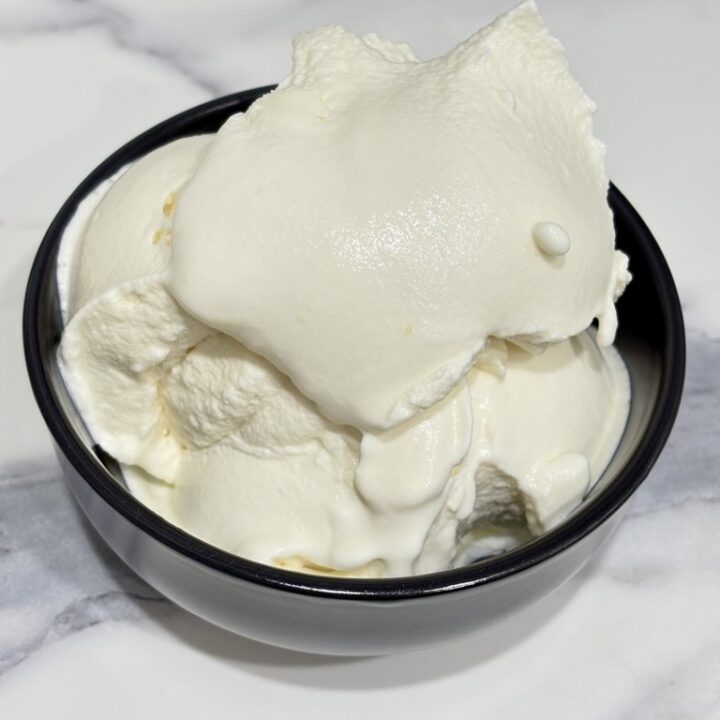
{"x":204,"y":118}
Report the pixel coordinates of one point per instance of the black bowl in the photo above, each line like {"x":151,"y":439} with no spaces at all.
{"x":351,"y":616}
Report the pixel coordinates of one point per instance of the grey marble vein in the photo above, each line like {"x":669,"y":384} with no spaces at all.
{"x":122,"y":29}
{"x":58,"y":578}
{"x":689,"y":468}
{"x":118,"y":26}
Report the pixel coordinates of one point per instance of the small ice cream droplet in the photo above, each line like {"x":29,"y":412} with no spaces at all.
{"x":607,"y":325}
{"x":551,"y":238}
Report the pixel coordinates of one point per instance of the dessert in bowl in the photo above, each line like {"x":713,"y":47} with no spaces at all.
{"x":419,"y":598}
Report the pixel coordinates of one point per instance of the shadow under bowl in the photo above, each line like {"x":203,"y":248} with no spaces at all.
{"x":353,"y":616}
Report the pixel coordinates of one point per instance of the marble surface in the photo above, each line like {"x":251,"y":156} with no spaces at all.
{"x":635,"y":635}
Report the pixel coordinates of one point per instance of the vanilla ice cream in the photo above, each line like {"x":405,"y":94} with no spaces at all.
{"x":349,"y":332}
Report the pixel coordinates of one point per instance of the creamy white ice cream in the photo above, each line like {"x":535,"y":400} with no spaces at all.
{"x":349,"y":330}
{"x":385,"y":210}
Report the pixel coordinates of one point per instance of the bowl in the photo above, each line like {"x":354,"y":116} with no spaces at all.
{"x":354,"y":616}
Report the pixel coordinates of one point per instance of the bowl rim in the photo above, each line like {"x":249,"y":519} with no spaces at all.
{"x":585,"y":520}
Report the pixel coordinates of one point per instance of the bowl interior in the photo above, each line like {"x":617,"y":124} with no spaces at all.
{"x":650,"y":339}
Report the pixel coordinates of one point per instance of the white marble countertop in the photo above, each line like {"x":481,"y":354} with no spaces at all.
{"x":635,"y":635}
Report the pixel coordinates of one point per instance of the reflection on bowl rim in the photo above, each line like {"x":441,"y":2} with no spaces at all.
{"x":589,"y":516}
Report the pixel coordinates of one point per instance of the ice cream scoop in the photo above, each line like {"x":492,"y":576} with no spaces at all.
{"x":130,"y":236}
{"x":219,"y":442}
{"x":384,"y":211}
{"x":348,"y":334}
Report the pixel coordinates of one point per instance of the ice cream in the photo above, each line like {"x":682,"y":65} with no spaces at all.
{"x":349,"y":332}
